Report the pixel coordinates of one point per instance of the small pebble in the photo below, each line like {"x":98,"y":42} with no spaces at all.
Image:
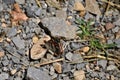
{"x":69,"y":56}
{"x":109,"y":26}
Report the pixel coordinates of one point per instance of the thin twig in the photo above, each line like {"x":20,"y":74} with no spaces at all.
{"x":108,"y":5}
{"x":38,"y":3}
{"x":111,"y":3}
{"x":49,"y":62}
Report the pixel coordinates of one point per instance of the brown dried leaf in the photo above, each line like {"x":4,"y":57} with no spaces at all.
{"x":92,"y":6}
{"x":17,"y":14}
{"x":37,"y":50}
{"x":57,"y":67}
{"x":17,"y":8}
{"x":109,"y":26}
{"x":79,"y":6}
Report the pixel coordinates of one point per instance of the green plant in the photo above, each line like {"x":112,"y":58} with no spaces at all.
{"x":88,"y":33}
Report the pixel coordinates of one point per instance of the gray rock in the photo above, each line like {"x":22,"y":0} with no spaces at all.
{"x":12,"y":32}
{"x":77,"y":58}
{"x":4,"y":76}
{"x":9,"y":1}
{"x":52,"y":71}
{"x":66,"y":67}
{"x":109,"y":41}
{"x":5,"y":62}
{"x":15,"y":59}
{"x":17,"y":78}
{"x":37,"y":74}
{"x":117,"y":22}
{"x":80,"y":66}
{"x":5,"y":69}
{"x":102,"y":75}
{"x":54,"y":76}
{"x":59,"y":28}
{"x":37,"y":13}
{"x":61,"y":14}
{"x":18,"y":42}
{"x":29,"y":12}
{"x":69,"y":56}
{"x":116,"y":29}
{"x":20,"y":1}
{"x":66,"y":78}
{"x":102,"y":63}
{"x":74,"y":45}
{"x":94,"y":74}
{"x":1,"y":7}
{"x":37,"y":30}
{"x":111,"y":67}
{"x":117,"y":41}
{"x":43,"y":14}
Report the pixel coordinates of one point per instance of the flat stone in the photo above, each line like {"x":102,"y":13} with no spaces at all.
{"x":5,"y":62}
{"x":69,"y":56}
{"x":59,"y":28}
{"x":20,"y":1}
{"x":102,"y":63}
{"x":1,"y":7}
{"x":80,"y":66}
{"x":18,"y":42}
{"x":94,"y":74}
{"x":117,"y":22}
{"x":37,"y":12}
{"x":61,"y":14}
{"x":77,"y":58}
{"x":111,"y":67}
{"x":4,"y":76}
{"x":117,"y":41}
{"x":116,"y":29}
{"x":12,"y":32}
{"x":66,"y":67}
{"x":15,"y":59}
{"x":9,"y":1}
{"x":109,"y":41}
{"x":74,"y":45}
{"x":37,"y":74}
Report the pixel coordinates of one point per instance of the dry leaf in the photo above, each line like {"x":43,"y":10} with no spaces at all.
{"x":78,"y":6}
{"x":109,"y":26}
{"x":92,"y":6}
{"x":57,"y":67}
{"x":37,"y":50}
{"x":17,"y":8}
{"x":82,"y":13}
{"x":79,"y":75}
{"x":17,"y":14}
{"x":2,"y":54}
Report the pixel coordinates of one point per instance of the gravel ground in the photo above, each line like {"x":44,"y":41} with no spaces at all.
{"x":39,"y":41}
